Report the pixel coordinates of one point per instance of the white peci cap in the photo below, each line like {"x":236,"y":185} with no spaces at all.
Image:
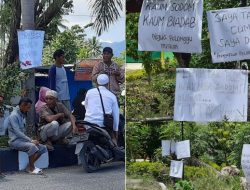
{"x":51,"y":93}
{"x":102,"y":79}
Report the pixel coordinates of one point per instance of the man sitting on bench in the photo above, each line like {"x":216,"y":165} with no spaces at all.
{"x":19,"y":141}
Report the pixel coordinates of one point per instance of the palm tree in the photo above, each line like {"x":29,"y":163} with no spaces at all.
{"x":94,"y":47}
{"x":106,"y":13}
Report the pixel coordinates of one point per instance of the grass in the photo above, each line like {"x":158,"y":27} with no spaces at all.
{"x":145,"y":183}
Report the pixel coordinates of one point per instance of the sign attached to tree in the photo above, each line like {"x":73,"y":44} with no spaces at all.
{"x":170,"y":25}
{"x":229,"y":34}
{"x":245,"y":161}
{"x":211,"y":95}
{"x":30,"y":44}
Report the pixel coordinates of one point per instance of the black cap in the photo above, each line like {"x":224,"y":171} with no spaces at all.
{"x":107,"y":49}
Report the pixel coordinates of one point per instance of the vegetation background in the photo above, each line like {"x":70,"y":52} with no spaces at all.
{"x":150,"y":94}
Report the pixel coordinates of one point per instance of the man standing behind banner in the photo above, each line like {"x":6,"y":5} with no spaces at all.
{"x":110,"y":68}
{"x":58,"y":79}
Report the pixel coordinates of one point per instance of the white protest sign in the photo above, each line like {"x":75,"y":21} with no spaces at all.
{"x":23,"y":160}
{"x":245,"y":161}
{"x":168,"y":147}
{"x":182,"y":149}
{"x":30,"y":44}
{"x":176,"y":169}
{"x":210,"y":95}
{"x":170,"y":25}
{"x":229,"y":34}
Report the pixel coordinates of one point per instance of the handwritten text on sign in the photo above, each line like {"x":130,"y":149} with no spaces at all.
{"x":30,"y":44}
{"x":245,"y":161}
{"x":229,"y":34}
{"x":170,"y":25}
{"x":211,"y":95}
{"x":183,"y":149}
{"x":168,"y":147}
{"x":176,"y":169}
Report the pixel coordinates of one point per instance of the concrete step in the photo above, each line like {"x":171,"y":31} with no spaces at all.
{"x":61,"y":156}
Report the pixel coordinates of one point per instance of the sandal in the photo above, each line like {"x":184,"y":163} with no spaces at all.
{"x":36,"y":171}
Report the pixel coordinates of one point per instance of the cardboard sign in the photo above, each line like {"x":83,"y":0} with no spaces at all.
{"x":211,"y":95}
{"x":23,"y":159}
{"x":183,"y":149}
{"x":245,"y":161}
{"x":30,"y":44}
{"x":170,"y":25}
{"x":229,"y":34}
{"x":84,"y":69}
{"x":168,"y":147}
{"x":176,"y":169}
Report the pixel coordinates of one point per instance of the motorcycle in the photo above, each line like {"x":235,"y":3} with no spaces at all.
{"x":94,"y":146}
{"x":79,"y":115}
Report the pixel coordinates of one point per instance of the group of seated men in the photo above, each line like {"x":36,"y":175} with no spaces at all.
{"x":56,"y":122}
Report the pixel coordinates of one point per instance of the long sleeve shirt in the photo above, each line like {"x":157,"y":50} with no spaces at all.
{"x":93,"y":106}
{"x":16,"y":126}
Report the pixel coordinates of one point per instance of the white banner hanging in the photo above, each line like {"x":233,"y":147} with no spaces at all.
{"x":229,"y":34}
{"x":245,"y":161}
{"x":183,"y":149}
{"x":168,"y":147}
{"x":170,"y":25}
{"x":211,"y":95}
{"x":30,"y":44}
{"x":176,"y":169}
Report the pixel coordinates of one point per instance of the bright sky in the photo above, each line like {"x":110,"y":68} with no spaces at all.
{"x":81,"y":16}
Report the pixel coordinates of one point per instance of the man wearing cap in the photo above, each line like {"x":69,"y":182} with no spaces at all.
{"x":55,"y":121}
{"x":58,"y":78}
{"x":18,"y":140}
{"x":93,"y":105}
{"x":110,"y":68}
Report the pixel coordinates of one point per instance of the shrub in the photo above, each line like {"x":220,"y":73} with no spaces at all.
{"x":156,"y":170}
{"x":184,"y":185}
{"x":135,"y":75}
{"x":10,"y":77}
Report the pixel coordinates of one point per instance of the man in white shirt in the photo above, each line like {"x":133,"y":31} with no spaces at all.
{"x":93,"y":105}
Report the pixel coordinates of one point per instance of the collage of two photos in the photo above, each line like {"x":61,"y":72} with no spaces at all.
{"x":62,"y":94}
{"x":115,"y":94}
{"x":187,"y":103}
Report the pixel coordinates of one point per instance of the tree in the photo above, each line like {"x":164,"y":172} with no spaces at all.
{"x":132,"y":44}
{"x":106,"y":13}
{"x":71,"y":40}
{"x":94,"y":47}
{"x":44,"y":12}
